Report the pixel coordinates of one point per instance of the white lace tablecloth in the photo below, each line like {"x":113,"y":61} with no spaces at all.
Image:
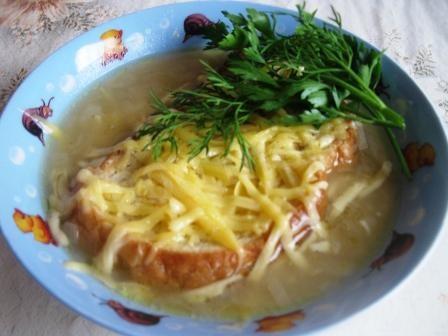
{"x":415,"y":33}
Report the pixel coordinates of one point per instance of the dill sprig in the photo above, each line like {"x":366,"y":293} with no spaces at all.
{"x":317,"y":74}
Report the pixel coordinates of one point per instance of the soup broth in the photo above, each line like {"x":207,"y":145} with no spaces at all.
{"x":112,"y":108}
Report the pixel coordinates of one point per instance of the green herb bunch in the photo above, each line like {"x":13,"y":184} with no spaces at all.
{"x":317,"y":74}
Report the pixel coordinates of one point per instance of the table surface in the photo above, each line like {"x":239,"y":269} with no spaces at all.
{"x":414,"y":33}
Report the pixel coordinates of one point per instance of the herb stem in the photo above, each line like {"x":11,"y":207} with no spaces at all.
{"x":375,"y":103}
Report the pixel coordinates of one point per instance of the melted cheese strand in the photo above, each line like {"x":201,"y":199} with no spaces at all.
{"x":281,"y":223}
{"x":360,"y":188}
{"x":202,"y":294}
{"x":54,"y":223}
{"x":265,"y":255}
{"x":119,"y":236}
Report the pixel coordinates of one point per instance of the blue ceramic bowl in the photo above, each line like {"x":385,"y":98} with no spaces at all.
{"x":65,"y":74}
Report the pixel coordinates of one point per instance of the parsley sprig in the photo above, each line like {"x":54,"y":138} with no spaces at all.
{"x":317,"y":74}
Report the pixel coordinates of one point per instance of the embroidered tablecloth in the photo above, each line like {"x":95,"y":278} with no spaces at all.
{"x":414,"y":32}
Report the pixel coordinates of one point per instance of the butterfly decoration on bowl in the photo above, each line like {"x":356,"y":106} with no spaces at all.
{"x":33,"y":119}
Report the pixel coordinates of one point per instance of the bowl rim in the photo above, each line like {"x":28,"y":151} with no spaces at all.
{"x":325,"y":327}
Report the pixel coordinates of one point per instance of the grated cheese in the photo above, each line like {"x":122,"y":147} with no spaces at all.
{"x":209,"y":199}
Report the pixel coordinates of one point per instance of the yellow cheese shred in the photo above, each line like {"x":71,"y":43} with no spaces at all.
{"x":209,"y":200}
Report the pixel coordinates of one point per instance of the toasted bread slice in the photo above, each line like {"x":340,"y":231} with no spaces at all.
{"x":194,"y":267}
